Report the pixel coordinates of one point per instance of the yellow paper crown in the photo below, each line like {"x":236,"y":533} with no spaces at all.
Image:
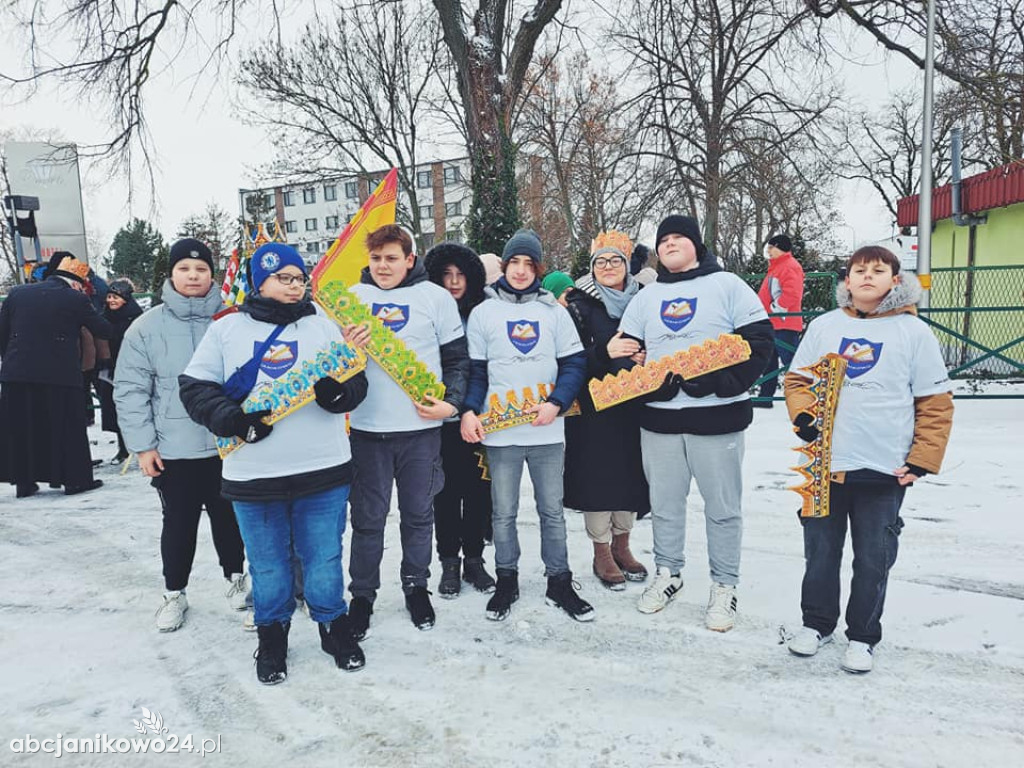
{"x":612,"y":239}
{"x":75,"y":267}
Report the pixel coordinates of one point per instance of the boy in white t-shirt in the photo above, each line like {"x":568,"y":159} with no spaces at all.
{"x":891,"y":428}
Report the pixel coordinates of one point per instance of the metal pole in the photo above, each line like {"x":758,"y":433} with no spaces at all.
{"x":924,"y":216}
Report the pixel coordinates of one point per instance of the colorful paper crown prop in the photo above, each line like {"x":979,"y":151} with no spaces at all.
{"x":295,"y":389}
{"x":710,"y":355}
{"x":74,"y":267}
{"x":389,"y":351}
{"x":612,"y":239}
{"x":236,"y":285}
{"x":512,"y":413}
{"x":827,"y":381}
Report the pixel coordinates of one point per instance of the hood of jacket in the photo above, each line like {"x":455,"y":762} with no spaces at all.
{"x":417,"y":274}
{"x":443,"y":254}
{"x":902,"y":299}
{"x":188,"y":308}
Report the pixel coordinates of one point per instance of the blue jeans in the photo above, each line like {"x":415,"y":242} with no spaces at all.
{"x":872,"y":511}
{"x":545,"y":464}
{"x":314,"y":525}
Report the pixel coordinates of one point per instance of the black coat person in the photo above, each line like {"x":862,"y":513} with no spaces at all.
{"x":121,"y":317}
{"x":42,"y":410}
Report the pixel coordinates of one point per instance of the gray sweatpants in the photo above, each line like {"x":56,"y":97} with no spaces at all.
{"x":715,"y":462}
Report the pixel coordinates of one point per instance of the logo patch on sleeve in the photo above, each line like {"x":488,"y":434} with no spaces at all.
{"x":677,"y":313}
{"x":279,"y":358}
{"x":861,"y":355}
{"x":524,"y":334}
{"x":394,"y":316}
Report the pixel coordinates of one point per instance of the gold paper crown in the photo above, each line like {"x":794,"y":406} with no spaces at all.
{"x":256,"y":235}
{"x":612,"y":239}
{"x":74,"y":267}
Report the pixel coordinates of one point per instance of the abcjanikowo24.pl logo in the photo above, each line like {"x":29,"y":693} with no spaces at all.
{"x":154,"y":737}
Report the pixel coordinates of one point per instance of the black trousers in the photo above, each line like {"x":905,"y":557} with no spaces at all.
{"x":186,"y":486}
{"x":462,"y":510}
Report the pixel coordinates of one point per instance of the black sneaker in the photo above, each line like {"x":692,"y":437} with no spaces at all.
{"x":71,"y":490}
{"x":24,"y":490}
{"x":417,"y":600}
{"x":271,"y":665}
{"x":474,"y":572}
{"x":336,"y":639}
{"x":562,"y":594}
{"x":360,"y":609}
{"x":506,"y":593}
{"x":450,"y":584}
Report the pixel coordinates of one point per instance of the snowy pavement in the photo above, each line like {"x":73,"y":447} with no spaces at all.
{"x":79,"y":654}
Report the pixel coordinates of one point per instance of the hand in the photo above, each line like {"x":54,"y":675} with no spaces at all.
{"x":909,"y":473}
{"x":150,"y":463}
{"x":622,"y":347}
{"x":329,"y":393}
{"x":251,"y":427}
{"x":437,"y":410}
{"x":546,"y":413}
{"x":356,"y":335}
{"x":804,"y":427}
{"x":472,"y":430}
{"x":700,"y":386}
{"x":639,"y":358}
{"x":669,"y":388}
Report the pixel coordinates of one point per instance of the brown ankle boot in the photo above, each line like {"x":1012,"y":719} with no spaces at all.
{"x":605,"y":568}
{"x":632,"y":568}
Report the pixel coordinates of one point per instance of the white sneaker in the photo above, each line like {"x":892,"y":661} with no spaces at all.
{"x":171,"y":615}
{"x":858,"y":658}
{"x":807,"y":641}
{"x":239,"y":590}
{"x":249,"y":622}
{"x":721,"y":613}
{"x":660,"y":591}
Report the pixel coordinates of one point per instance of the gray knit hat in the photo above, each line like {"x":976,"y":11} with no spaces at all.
{"x":523,"y":243}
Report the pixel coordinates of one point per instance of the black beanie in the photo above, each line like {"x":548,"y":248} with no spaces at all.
{"x":782,"y":242}
{"x":55,"y":260}
{"x":523,"y":243}
{"x":122,"y":287}
{"x":682,"y":225}
{"x":190,"y":248}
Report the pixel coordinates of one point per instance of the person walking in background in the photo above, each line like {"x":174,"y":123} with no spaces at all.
{"x":782,"y":292}
{"x":122,"y":310}
{"x":42,"y":399}
{"x":178,"y":455}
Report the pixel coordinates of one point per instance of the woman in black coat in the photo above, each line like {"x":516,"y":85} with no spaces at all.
{"x":604,"y":476}
{"x":121,"y":312}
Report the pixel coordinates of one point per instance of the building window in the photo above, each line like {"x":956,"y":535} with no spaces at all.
{"x":454,"y":236}
{"x":311,"y":225}
{"x":327,"y":246}
{"x":424,"y":179}
{"x":330,"y":192}
{"x":352,"y":190}
{"x":289,"y":198}
{"x":452,"y":175}
{"x":291,"y":227}
{"x":426,"y":211}
{"x":428,"y":240}
{"x":331,"y":222}
{"x":312,"y":247}
{"x":309,"y":195}
{"x":453,"y":209}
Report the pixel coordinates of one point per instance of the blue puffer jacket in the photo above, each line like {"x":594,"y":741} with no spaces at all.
{"x":155,"y":351}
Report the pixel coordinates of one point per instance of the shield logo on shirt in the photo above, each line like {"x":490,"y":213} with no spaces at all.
{"x":861,"y":355}
{"x":279,"y":358}
{"x":394,"y":316}
{"x":524,"y":334}
{"x":677,"y":313}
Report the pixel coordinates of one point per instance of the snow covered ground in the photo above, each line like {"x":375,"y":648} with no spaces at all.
{"x":79,"y":655}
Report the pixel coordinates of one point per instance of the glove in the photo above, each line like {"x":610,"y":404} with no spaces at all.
{"x":250,"y":426}
{"x":805,"y":428}
{"x":701,"y":386}
{"x":668,"y":389}
{"x":330,"y":394}
{"x":916,"y":470}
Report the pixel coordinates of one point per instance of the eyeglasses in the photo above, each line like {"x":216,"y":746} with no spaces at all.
{"x":286,"y":279}
{"x":609,"y":263}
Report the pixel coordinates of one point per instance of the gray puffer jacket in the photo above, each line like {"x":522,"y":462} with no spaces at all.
{"x":156,"y":350}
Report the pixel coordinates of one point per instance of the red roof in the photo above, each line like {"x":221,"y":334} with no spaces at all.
{"x":992,"y":189}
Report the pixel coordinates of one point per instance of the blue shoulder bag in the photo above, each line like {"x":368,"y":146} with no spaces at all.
{"x":240,"y":383}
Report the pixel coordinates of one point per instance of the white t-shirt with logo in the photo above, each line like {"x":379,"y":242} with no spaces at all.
{"x":425,"y":317}
{"x":521,"y":344}
{"x":669,"y":317}
{"x":890,"y":361}
{"x":304,"y":441}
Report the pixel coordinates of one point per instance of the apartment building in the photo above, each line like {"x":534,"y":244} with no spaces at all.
{"x":314,"y":214}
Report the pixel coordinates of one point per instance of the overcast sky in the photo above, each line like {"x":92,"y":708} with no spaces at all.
{"x":204,"y":153}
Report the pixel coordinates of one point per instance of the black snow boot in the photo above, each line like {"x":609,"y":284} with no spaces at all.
{"x":450,"y":584}
{"x":336,"y":639}
{"x":474,"y":572}
{"x":417,"y":601}
{"x":562,"y":594}
{"x":506,"y":593}
{"x":271,"y":665}
{"x":360,"y":610}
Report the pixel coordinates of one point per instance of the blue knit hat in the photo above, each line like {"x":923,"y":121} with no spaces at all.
{"x":523,"y":243}
{"x":271,"y":258}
